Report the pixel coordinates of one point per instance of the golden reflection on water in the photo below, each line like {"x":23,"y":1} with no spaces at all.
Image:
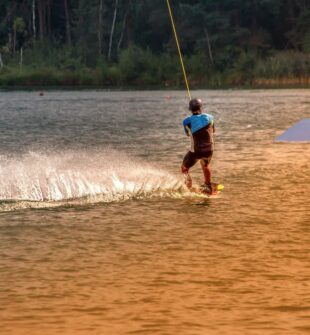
{"x":235,"y":264}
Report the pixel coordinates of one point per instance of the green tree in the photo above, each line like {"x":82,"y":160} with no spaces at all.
{"x":18,"y":29}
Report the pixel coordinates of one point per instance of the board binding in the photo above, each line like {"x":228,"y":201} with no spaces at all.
{"x":216,"y":189}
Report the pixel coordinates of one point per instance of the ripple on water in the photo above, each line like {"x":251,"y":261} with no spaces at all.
{"x":153,"y":259}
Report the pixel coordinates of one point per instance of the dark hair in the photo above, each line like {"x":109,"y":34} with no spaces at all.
{"x":195,"y":105}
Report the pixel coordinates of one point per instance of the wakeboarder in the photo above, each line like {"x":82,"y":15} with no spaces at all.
{"x":200,"y":128}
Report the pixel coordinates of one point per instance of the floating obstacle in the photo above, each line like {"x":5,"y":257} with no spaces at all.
{"x":299,"y":132}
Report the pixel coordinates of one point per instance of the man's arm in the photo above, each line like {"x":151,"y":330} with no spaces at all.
{"x":212,"y":123}
{"x":186,"y":126}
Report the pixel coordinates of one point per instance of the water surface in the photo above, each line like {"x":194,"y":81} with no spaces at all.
{"x":98,"y":235}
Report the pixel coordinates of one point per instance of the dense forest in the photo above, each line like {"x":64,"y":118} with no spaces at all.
{"x":130,"y":42}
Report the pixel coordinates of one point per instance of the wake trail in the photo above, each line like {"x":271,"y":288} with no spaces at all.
{"x":106,"y":176}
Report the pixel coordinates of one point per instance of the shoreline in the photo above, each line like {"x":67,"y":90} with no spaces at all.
{"x":30,"y":88}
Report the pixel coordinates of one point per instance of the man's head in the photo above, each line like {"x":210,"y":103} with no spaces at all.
{"x":195,"y":106}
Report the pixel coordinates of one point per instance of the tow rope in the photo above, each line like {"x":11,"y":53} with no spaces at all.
{"x":179,"y":49}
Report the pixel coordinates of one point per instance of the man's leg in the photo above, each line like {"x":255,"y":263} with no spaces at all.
{"x":187,"y":178}
{"x":188,"y":161}
{"x":205,"y":162}
{"x":206,"y":171}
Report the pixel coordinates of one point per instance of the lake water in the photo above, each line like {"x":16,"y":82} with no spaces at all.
{"x":99,"y":236}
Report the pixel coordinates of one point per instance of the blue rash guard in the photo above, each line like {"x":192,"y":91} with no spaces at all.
{"x":200,"y":127}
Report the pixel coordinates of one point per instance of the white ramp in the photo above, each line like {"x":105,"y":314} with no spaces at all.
{"x":299,"y":132}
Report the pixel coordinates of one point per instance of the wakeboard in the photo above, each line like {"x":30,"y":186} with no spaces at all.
{"x":216,"y":189}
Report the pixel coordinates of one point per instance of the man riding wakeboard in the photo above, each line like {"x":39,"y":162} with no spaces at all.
{"x":200,"y":128}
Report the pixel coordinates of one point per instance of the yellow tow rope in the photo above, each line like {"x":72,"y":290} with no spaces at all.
{"x":179,"y":49}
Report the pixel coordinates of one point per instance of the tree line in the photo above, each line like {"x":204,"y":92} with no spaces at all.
{"x":125,"y":42}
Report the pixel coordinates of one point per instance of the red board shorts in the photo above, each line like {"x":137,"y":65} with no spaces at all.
{"x":191,"y":158}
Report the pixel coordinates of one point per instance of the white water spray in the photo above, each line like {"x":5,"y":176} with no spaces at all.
{"x":106,"y":176}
